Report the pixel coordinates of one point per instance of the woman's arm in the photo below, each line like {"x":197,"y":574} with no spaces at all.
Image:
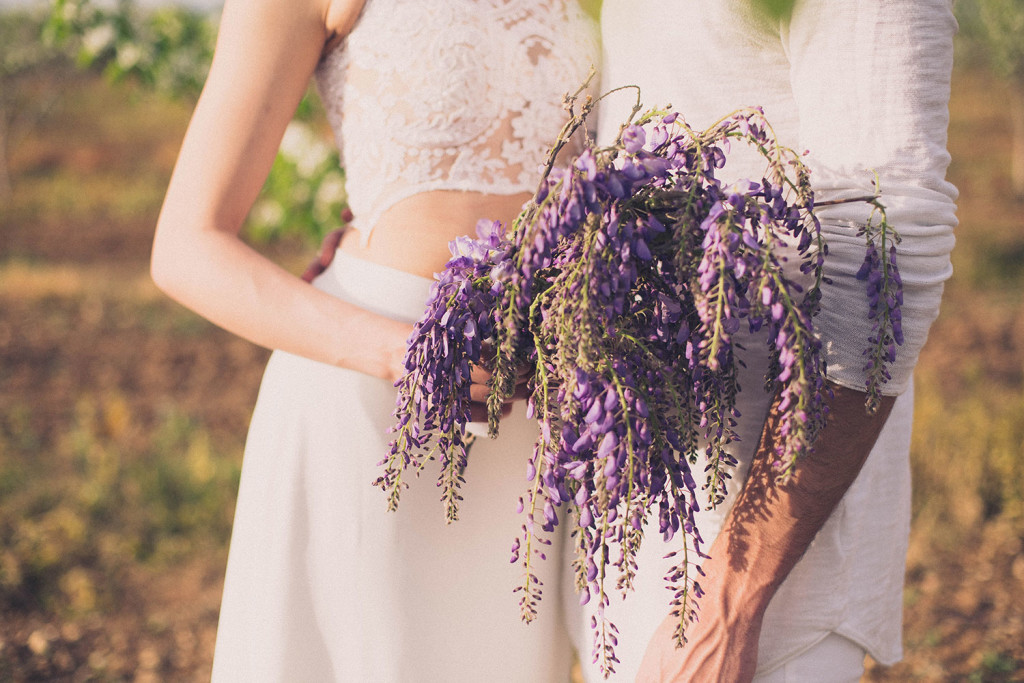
{"x":266,"y":52}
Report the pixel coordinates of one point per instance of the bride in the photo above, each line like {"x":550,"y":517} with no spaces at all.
{"x":442,"y":111}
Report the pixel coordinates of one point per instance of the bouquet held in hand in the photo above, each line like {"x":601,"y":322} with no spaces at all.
{"x":622,"y":285}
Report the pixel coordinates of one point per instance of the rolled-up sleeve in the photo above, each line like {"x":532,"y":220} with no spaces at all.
{"x":871,"y":81}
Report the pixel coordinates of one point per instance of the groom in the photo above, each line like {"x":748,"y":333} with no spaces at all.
{"x":806,"y":577}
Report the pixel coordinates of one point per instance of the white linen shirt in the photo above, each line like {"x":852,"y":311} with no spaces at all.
{"x":863,"y":86}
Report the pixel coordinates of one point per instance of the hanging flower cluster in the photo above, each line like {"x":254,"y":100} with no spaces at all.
{"x":885,"y":297}
{"x":434,"y":399}
{"x":622,"y":285}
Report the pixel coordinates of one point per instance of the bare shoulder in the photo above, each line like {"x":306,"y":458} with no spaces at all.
{"x":331,"y":19}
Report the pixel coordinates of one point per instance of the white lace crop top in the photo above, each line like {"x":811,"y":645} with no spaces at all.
{"x":451,"y":95}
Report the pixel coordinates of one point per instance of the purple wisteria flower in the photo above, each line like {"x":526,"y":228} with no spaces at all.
{"x":434,"y":400}
{"x":884,"y":290}
{"x":623,"y":285}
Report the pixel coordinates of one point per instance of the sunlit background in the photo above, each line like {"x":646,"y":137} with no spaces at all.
{"x":122,"y":415}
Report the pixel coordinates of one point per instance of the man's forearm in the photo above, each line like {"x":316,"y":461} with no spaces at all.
{"x":771,"y":524}
{"x":765,"y":534}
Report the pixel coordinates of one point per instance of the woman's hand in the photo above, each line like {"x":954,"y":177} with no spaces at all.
{"x":480,"y":388}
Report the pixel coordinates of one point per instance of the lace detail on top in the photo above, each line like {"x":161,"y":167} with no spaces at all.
{"x":451,"y":95}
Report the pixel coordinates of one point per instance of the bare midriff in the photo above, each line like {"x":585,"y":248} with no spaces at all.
{"x":413,"y":235}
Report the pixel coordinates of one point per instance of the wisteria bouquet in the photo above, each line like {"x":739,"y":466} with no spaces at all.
{"x":621,"y":286}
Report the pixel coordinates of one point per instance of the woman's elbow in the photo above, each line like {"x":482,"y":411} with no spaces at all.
{"x":167,"y":264}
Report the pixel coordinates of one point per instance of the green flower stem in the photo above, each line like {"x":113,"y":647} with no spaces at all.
{"x":528,"y":609}
{"x":683,"y":608}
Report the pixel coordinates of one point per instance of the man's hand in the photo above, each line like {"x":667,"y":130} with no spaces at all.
{"x":765,"y":534}
{"x":722,"y":647}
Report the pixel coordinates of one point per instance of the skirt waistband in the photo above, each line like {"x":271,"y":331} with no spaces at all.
{"x":380,"y":289}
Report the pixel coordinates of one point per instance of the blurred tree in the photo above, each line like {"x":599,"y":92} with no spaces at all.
{"x":591,"y":7}
{"x":169,"y":50}
{"x":30,"y":76}
{"x":779,"y":10}
{"x":997,"y":26}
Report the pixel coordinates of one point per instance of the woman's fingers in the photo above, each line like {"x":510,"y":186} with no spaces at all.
{"x":478,"y":411}
{"x":478,"y":392}
{"x":480,"y":377}
{"x":478,"y":374}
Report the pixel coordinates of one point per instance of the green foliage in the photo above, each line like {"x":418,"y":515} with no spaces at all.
{"x":169,"y":48}
{"x":305,"y":191}
{"x":776,"y":10}
{"x":21,"y":51}
{"x":25,"y":61}
{"x":1003,"y":24}
{"x":992,"y":32}
{"x":967,"y":453}
{"x":592,"y":7}
{"x":80,"y":516}
{"x":995,"y":666}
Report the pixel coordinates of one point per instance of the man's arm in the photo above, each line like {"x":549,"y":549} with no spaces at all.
{"x":887,"y":118}
{"x":765,"y":534}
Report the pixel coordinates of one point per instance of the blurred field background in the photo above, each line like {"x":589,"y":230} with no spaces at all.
{"x":122,"y":415}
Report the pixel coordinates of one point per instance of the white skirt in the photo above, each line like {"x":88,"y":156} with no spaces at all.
{"x":323,"y":584}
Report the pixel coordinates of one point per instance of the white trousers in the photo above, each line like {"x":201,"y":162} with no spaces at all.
{"x":833,"y":660}
{"x":323,"y":584}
